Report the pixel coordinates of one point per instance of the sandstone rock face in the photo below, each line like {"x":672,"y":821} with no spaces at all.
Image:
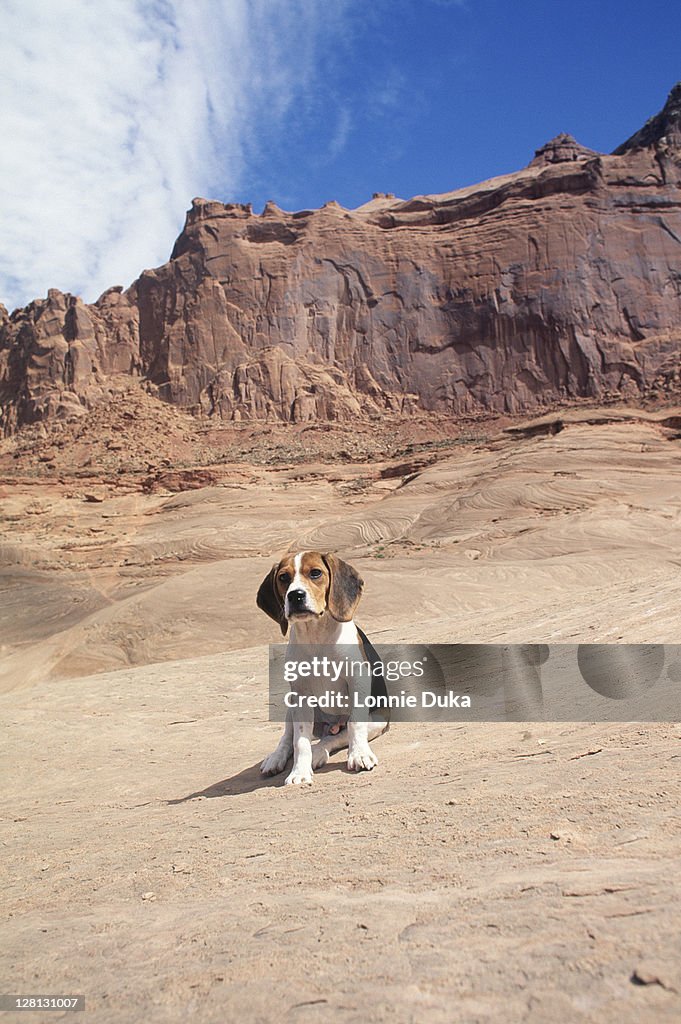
{"x":558,"y":282}
{"x":661,"y":132}
{"x":561,"y":150}
{"x":57,"y":354}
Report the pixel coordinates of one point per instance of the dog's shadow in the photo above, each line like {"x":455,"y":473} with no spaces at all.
{"x":248,"y":780}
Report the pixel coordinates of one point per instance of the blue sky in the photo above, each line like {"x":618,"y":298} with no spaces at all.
{"x":435,"y":95}
{"x":120,"y":111}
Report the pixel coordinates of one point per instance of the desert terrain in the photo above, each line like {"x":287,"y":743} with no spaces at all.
{"x":481,"y":873}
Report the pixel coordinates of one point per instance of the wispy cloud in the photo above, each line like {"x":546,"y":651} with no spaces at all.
{"x":341,"y":134}
{"x":115,"y":113}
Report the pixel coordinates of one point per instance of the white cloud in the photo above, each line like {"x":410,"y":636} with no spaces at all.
{"x":341,"y":134}
{"x":115,"y":113}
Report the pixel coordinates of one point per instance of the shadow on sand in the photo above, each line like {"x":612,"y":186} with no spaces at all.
{"x":248,"y":780}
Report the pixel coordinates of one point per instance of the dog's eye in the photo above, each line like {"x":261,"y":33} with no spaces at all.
{"x":315,"y":574}
{"x":284,"y":578}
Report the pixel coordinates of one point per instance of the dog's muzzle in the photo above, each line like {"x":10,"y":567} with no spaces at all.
{"x":297,"y":602}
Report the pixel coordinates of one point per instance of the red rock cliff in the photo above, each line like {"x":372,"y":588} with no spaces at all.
{"x":562,"y":280}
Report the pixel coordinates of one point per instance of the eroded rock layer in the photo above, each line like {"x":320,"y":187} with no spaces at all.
{"x":560,"y":281}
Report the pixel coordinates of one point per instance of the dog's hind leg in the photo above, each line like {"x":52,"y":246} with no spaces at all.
{"x":322,"y":751}
{"x":377,"y":726}
{"x":275,"y":762}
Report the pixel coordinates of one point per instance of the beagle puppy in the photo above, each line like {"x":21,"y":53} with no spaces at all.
{"x":316,"y":596}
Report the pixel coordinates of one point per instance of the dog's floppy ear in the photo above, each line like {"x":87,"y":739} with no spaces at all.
{"x":345,"y":588}
{"x":269,"y":601}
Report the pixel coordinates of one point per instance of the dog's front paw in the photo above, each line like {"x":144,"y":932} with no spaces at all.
{"x":275,"y":762}
{"x":320,"y":755}
{"x":299,"y":776}
{"x":362,"y":759}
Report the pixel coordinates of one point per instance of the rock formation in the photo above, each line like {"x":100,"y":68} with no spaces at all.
{"x":560,"y":281}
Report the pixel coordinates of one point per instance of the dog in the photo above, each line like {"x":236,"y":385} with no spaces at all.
{"x":316,"y":596}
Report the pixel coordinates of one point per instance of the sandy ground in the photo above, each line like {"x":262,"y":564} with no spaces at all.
{"x":482,"y":873}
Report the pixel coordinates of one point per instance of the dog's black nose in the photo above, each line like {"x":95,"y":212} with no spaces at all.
{"x":296,"y":598}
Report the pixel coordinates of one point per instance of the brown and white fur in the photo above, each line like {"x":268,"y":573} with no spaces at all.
{"x":316,"y":595}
